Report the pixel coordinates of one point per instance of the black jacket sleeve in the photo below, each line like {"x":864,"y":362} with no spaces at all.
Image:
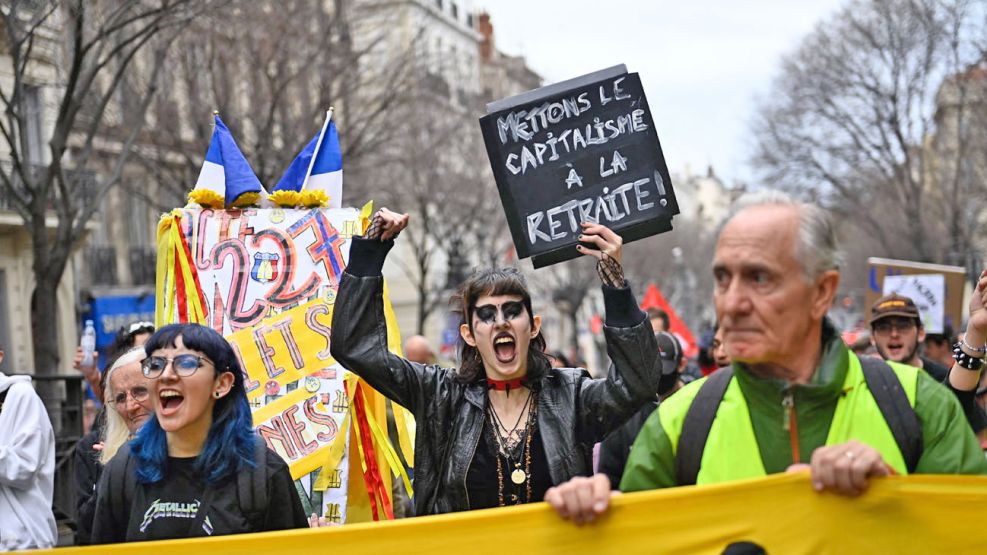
{"x":284,"y":508}
{"x":635,"y":368}
{"x":112,"y":512}
{"x":359,"y":333}
{"x":87,"y":471}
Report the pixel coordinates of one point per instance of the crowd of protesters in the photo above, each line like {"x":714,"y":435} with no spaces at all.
{"x":173,"y":453}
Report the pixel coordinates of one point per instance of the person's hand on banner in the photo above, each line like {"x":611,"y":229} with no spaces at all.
{"x":846,"y":468}
{"x":316,"y":521}
{"x":610,"y":246}
{"x":386,"y":225}
{"x":581,"y":499}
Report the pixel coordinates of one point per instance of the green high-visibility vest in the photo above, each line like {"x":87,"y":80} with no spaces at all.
{"x":732,"y":452}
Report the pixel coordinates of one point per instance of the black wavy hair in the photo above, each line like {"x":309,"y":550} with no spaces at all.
{"x":496,"y":281}
{"x":229,"y":446}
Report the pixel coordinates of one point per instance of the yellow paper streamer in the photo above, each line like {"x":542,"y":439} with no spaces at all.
{"x":382,"y":442}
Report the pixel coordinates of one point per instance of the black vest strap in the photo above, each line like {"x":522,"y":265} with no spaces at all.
{"x":697,"y":423}
{"x":886,"y":389}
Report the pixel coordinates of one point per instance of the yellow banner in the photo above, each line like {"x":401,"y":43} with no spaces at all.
{"x":781,"y":513}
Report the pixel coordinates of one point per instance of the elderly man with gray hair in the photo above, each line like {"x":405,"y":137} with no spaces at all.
{"x":795,"y":394}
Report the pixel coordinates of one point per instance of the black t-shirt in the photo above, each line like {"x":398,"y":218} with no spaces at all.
{"x":173,"y":508}
{"x":481,"y":478}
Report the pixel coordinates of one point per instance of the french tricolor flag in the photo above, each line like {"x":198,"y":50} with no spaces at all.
{"x":319,"y":166}
{"x":225,"y":171}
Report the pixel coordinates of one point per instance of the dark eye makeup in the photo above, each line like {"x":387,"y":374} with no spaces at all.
{"x":510,"y":310}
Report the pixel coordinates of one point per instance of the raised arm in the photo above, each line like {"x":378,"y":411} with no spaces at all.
{"x":635,"y":366}
{"x":359,"y":332}
{"x":963,"y":379}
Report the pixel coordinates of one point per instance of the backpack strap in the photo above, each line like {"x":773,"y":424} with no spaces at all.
{"x":697,"y":423}
{"x":898,"y":412}
{"x":251,"y":487}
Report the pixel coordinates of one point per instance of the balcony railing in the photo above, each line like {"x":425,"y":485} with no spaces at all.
{"x":81,"y":183}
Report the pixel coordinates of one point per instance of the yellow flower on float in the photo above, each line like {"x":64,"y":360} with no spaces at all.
{"x":206,"y":198}
{"x":246,"y":199}
{"x":314,"y":199}
{"x":285,"y":198}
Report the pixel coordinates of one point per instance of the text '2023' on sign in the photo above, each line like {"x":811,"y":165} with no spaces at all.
{"x":581,"y":150}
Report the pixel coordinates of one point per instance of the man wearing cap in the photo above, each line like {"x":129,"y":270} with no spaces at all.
{"x":794,"y":396}
{"x":615,"y":448}
{"x":897,"y":331}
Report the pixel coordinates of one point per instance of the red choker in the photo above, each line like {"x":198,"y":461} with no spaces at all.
{"x":506,"y":385}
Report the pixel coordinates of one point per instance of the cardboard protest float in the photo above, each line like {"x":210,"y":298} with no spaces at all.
{"x":264,"y":273}
{"x":936,"y":289}
{"x":585,"y":149}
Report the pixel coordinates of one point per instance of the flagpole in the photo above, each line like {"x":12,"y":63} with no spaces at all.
{"x":318,"y":145}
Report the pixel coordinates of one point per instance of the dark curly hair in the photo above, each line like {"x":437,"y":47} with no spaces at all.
{"x":496,"y":281}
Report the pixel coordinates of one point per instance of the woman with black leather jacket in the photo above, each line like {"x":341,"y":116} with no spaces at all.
{"x":505,"y":426}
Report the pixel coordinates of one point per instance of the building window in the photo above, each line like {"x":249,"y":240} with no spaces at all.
{"x":469,"y":20}
{"x":440,"y":4}
{"x":455,"y":10}
{"x":32,"y":117}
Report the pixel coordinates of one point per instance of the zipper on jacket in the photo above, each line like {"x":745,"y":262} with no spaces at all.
{"x":790,"y":423}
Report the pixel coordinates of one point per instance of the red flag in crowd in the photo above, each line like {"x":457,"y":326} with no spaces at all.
{"x":654,"y":299}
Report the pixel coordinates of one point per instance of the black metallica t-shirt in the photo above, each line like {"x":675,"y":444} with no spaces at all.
{"x":183,"y":506}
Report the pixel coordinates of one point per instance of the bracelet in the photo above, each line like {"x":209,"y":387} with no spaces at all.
{"x":981,"y":350}
{"x":966,"y":361}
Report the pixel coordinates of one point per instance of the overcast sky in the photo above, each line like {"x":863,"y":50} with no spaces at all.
{"x":703,"y":63}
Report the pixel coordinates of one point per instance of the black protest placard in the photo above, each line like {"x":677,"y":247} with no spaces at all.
{"x":582,"y":150}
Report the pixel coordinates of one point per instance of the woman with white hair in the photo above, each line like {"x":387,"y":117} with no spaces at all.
{"x":126,"y":392}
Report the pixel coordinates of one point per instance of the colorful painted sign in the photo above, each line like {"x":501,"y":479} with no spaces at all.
{"x":267,"y":280}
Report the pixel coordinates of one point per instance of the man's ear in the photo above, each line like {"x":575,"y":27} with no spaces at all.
{"x":467,"y":334}
{"x":921,"y":333}
{"x":535,"y":326}
{"x":825,"y":291}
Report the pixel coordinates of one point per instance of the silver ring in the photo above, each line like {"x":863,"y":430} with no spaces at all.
{"x":850,"y":455}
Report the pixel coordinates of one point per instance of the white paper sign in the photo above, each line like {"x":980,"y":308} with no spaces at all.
{"x":928,"y":291}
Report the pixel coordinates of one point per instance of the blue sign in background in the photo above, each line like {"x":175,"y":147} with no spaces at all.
{"x":110,"y":313}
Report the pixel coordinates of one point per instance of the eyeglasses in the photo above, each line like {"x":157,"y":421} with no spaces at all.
{"x":884,"y":327}
{"x":184,"y":365}
{"x":139,"y":394}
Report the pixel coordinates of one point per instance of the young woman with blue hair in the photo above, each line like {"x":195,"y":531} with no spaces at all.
{"x":183,"y":475}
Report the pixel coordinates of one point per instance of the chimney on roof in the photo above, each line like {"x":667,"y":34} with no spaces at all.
{"x":487,"y":47}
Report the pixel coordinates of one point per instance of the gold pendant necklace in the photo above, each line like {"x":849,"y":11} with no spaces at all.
{"x":518,"y":476}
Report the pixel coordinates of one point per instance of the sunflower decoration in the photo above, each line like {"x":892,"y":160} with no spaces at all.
{"x":206,"y":198}
{"x":246,"y":200}
{"x":314,"y":198}
{"x":286,"y":198}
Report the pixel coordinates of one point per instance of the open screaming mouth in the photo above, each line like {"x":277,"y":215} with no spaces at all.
{"x":170,"y":399}
{"x":505,"y":347}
